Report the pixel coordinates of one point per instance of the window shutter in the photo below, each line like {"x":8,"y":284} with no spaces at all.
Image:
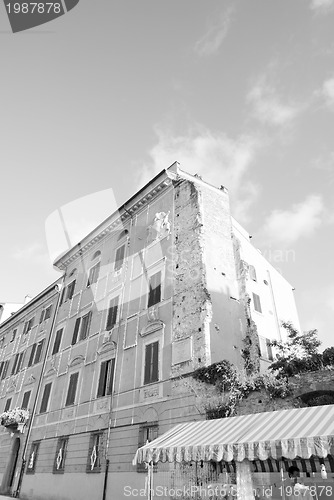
{"x":14,"y":365}
{"x":62,"y":296}
{"x":110,"y":378}
{"x":1,"y":368}
{"x":45,"y":398}
{"x":155,"y":289}
{"x":47,"y":312}
{"x":32,"y":354}
{"x":85,"y":324}
{"x":5,"y":369}
{"x":70,"y":290}
{"x":155,"y":362}
{"x":41,"y":318}
{"x":147,"y":368}
{"x":102,"y":380}
{"x":72,"y":389}
{"x":39,"y":351}
{"x":25,"y":401}
{"x":8,"y":402}
{"x":75,"y":333}
{"x":112,"y":313}
{"x":56,"y":345}
{"x":20,"y":362}
{"x":119,"y":259}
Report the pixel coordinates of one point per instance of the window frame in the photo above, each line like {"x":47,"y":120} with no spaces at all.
{"x":257,"y":303}
{"x":68,"y":401}
{"x":93,"y":274}
{"x":28,"y":325}
{"x":45,"y":400}
{"x":106,"y":388}
{"x":7,"y":404}
{"x":23,"y":404}
{"x":145,"y":429}
{"x":118,"y":263}
{"x":62,"y":444}
{"x":96,"y":468}
{"x":110,"y":326}
{"x":57,"y":341}
{"x":146,"y":345}
{"x":33,"y":449}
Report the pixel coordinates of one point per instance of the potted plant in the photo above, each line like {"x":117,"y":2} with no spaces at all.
{"x":14,"y":419}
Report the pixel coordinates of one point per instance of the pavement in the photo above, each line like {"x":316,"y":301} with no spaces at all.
{"x":3,"y":497}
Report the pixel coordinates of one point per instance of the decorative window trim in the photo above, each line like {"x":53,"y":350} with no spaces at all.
{"x":155,"y":326}
{"x":106,"y":347}
{"x":77,"y":360}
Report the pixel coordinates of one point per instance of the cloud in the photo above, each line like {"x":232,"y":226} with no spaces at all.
{"x":219,"y":159}
{"x":267,"y":106}
{"x":321,"y":5}
{"x":287,"y":226}
{"x":215,"y":34}
{"x":327,"y":92}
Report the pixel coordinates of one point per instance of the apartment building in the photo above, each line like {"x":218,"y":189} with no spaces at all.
{"x":160,"y":288}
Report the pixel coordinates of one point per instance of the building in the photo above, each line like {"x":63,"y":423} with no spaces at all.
{"x":165,"y":285}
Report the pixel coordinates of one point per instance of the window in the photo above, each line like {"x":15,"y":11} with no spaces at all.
{"x":93,"y":274}
{"x":72,"y":389}
{"x":151,"y":369}
{"x":56,"y":345}
{"x":36,"y":353}
{"x":81,"y":328}
{"x":252,"y":273}
{"x":39,"y":348}
{"x":13,"y":335}
{"x":147,"y":433}
{"x":32,"y":355}
{"x":106,"y":378}
{"x":112,"y":313}
{"x":18,"y":360}
{"x":45,"y":314}
{"x":33,"y":457}
{"x":95,"y":452}
{"x":119,"y":258}
{"x":154,"y":295}
{"x":68,"y":292}
{"x":257,"y":303}
{"x":266,"y":349}
{"x":59,"y":463}
{"x":45,"y":398}
{"x":3,"y":369}
{"x":25,"y":401}
{"x":28,"y":326}
{"x":7,"y":405}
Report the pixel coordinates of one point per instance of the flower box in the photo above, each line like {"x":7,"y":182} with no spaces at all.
{"x":14,"y":420}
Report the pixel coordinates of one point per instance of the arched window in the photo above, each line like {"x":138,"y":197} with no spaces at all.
{"x":123,"y":234}
{"x":96,"y":255}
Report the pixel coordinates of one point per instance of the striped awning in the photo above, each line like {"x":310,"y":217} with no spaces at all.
{"x":303,"y":433}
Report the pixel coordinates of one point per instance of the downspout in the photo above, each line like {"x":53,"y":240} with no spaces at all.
{"x":105,"y":483}
{"x":274,"y":305}
{"x":19,"y":485}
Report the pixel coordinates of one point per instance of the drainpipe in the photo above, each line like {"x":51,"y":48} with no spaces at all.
{"x":24,"y":460}
{"x":274,"y":305}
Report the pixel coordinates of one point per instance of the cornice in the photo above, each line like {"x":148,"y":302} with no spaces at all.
{"x":123,"y":214}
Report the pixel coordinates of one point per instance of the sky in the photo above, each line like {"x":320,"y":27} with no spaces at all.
{"x":241,"y":92}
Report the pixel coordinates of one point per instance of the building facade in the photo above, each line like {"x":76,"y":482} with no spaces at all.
{"x":162,"y":287}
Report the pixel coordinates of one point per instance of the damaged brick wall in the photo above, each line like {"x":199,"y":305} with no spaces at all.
{"x":191,"y":302}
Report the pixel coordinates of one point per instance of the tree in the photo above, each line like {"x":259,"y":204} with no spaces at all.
{"x":299,"y":353}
